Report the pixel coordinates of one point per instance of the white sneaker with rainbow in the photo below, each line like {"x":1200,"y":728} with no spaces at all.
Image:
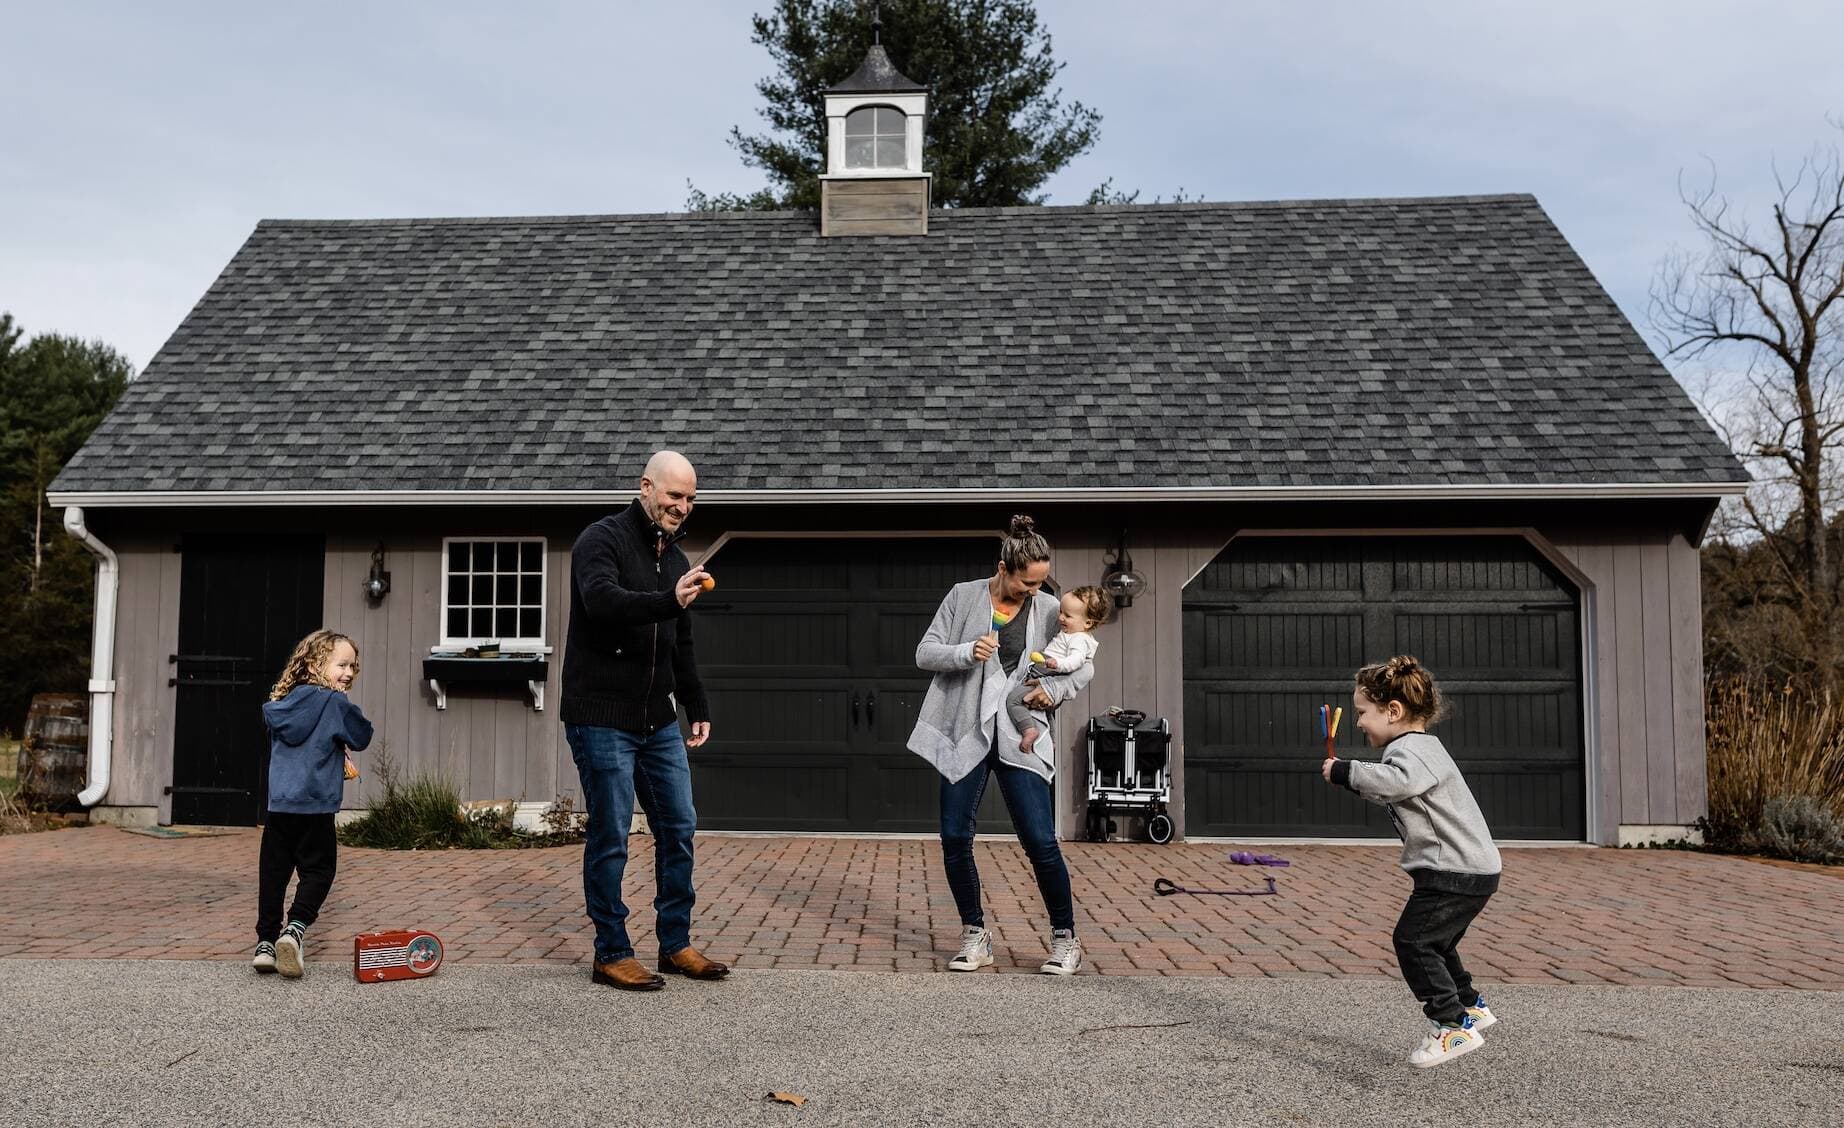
{"x":1444,"y":1043}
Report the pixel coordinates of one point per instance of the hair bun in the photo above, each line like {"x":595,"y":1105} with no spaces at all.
{"x":1022,"y":525}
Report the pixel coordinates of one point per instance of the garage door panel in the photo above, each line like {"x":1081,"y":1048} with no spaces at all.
{"x":1465,"y":565}
{"x":930,"y":567}
{"x":1277,"y":642}
{"x":1485,"y":645}
{"x":1520,"y":801}
{"x":1525,"y":727}
{"x":789,"y":792}
{"x":778,"y":636}
{"x":1259,"y":799}
{"x":1244,"y":719}
{"x":1286,"y":566}
{"x":791,"y":715}
{"x":897,"y":633}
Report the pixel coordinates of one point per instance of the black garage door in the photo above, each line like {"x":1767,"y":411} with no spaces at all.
{"x":1274,"y":626}
{"x":808,"y":651}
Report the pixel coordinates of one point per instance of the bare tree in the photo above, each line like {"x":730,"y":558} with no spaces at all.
{"x":1763,"y":316}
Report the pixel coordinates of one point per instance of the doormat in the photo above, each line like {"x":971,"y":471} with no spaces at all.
{"x":181,"y":831}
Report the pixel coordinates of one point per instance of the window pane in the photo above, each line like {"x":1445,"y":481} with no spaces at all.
{"x":483,"y":589}
{"x":859,"y":154}
{"x":457,"y":622}
{"x":531,"y":557}
{"x":457,"y":556}
{"x":860,"y":122}
{"x":483,"y":556}
{"x":889,"y":152}
{"x":889,"y":121}
{"x":482,"y":622}
{"x":457,"y":591}
{"x":531,"y":590}
{"x":506,"y":590}
{"x":508,"y":619}
{"x":529,"y":625}
{"x":508,"y":556}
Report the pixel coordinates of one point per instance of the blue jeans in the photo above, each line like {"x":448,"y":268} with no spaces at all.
{"x":616,"y":767}
{"x":1031,"y":801}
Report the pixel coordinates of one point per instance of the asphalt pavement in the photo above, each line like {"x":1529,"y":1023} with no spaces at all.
{"x":154,"y":1042}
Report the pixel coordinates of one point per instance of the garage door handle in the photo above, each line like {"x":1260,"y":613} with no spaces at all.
{"x":854,"y":709}
{"x":870,"y":708}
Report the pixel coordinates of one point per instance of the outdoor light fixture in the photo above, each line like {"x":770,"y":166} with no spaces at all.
{"x":378,"y":582}
{"x":1119,"y":579}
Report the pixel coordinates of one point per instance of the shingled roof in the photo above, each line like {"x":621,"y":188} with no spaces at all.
{"x":1332,"y":344}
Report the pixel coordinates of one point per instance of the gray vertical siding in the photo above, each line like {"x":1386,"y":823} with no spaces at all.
{"x":1641,"y":608}
{"x":1648,"y":669}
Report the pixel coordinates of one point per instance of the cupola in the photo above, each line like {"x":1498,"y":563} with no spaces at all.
{"x":874,"y":183}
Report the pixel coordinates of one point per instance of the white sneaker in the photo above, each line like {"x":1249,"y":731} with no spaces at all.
{"x":1444,"y":1043}
{"x":289,"y":959}
{"x":975,"y":950}
{"x":264,"y":960}
{"x":1481,"y":1014}
{"x":1065,"y":954}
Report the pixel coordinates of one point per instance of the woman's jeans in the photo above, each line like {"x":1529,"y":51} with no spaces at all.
{"x":1031,"y":801}
{"x":615,"y":768}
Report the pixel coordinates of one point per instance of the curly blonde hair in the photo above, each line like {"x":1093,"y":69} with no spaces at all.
{"x":304,"y":664}
{"x":1404,"y":679}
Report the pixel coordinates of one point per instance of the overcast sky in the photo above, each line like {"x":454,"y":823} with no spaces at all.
{"x":144,"y":141}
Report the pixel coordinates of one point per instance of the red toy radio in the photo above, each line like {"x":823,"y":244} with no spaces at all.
{"x":398,"y":953}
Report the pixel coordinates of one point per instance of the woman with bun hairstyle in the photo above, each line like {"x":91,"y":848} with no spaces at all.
{"x":1446,"y":847}
{"x":975,"y":648}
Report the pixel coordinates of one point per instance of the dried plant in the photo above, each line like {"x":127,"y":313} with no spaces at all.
{"x":1769,"y":743}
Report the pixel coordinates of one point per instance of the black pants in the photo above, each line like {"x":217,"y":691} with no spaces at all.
{"x":1427,"y":949}
{"x":292,"y":843}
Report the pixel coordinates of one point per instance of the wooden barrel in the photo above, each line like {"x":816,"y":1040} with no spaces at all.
{"x":54,"y":751}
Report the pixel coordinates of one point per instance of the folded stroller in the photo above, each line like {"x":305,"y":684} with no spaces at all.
{"x":1129,"y":773}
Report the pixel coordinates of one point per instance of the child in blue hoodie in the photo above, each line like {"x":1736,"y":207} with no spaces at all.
{"x":311,"y":726}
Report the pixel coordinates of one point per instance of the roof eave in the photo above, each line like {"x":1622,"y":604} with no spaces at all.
{"x":1484,"y":491}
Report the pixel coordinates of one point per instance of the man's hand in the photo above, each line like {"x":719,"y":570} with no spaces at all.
{"x":1325,"y":769}
{"x":690,"y":586}
{"x":985,"y":646}
{"x":701,"y":732}
{"x":1038,"y":698}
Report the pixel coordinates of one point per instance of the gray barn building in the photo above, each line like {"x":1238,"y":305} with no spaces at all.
{"x":1323,"y":431}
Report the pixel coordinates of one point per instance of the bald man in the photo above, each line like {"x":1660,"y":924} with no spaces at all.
{"x":627,"y":656}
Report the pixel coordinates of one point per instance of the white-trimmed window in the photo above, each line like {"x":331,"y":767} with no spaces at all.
{"x":875,"y":137}
{"x":493,"y":590}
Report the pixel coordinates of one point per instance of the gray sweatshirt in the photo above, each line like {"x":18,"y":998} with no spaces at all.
{"x":1445,"y":842}
{"x":963,"y":711}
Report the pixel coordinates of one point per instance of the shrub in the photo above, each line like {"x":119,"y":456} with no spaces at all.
{"x":1778,"y":746}
{"x":426,"y":813}
{"x":1802,"y":828}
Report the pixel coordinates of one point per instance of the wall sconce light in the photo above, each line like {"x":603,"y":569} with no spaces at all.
{"x":378,"y":582}
{"x":1119,"y":579}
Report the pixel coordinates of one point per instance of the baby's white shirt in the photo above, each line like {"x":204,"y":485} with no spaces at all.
{"x":1072,"y":651}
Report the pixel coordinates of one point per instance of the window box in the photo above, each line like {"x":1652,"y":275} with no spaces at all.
{"x":444,"y":670}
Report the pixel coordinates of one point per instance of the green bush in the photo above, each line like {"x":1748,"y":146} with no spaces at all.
{"x":425,"y":813}
{"x":1776,"y":769}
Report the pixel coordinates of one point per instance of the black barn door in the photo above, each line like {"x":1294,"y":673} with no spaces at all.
{"x":243,"y":604}
{"x":807,"y":649}
{"x":1275,"y":626}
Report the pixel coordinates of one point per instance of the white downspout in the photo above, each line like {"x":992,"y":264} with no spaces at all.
{"x":102,"y":658}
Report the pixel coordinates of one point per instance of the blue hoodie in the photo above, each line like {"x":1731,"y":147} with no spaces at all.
{"x":309,"y":732}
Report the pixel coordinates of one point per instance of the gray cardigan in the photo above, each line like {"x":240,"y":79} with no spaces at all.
{"x":965,"y":705}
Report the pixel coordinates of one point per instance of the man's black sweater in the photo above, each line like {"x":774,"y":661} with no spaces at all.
{"x":629,"y":647}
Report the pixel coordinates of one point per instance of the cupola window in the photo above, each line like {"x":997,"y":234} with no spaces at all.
{"x":874,"y":138}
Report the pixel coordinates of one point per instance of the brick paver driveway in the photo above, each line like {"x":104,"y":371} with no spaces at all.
{"x":1564,"y":915}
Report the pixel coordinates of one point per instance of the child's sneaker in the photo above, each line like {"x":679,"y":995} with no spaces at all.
{"x":264,"y":960}
{"x":1444,"y":1043}
{"x":975,"y":950}
{"x":289,"y":959}
{"x":1481,"y":1014}
{"x":1065,"y":953}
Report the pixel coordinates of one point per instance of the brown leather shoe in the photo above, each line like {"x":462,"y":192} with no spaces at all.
{"x":691,"y":963}
{"x":627,"y":975}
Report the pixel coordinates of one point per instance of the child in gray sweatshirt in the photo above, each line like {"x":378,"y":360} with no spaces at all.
{"x":1446,"y":847}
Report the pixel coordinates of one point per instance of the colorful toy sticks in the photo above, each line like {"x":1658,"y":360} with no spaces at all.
{"x":1328,"y":726}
